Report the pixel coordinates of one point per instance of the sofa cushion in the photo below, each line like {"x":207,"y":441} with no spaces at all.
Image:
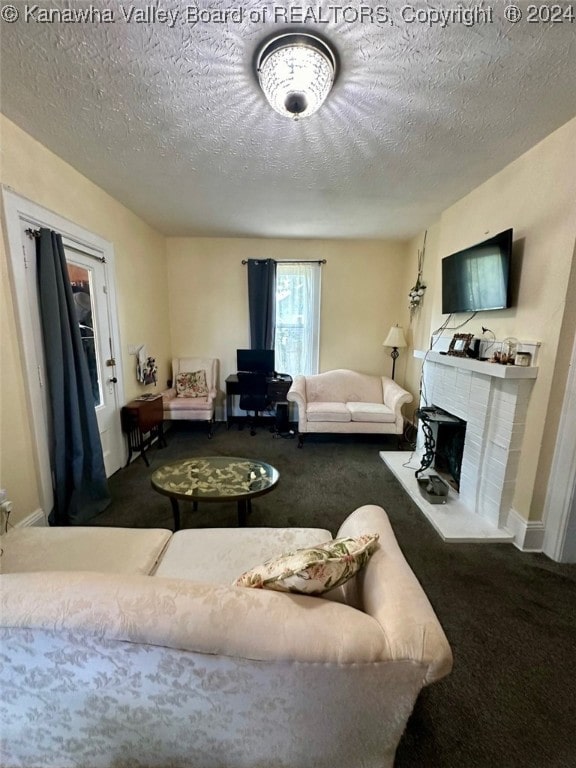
{"x":188,"y":403}
{"x":218,"y":555}
{"x":321,"y":411}
{"x":191,"y":384}
{"x":372,"y":412}
{"x":83,"y":548}
{"x":315,"y":570}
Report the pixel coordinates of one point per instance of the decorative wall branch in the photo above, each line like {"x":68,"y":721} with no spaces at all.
{"x":417,"y":291}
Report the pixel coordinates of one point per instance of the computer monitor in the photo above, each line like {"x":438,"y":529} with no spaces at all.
{"x":255,"y":360}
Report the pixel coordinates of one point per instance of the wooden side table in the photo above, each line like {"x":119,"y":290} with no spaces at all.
{"x":142,"y":421}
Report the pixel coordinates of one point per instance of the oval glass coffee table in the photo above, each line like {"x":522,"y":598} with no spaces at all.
{"x":214,"y":478}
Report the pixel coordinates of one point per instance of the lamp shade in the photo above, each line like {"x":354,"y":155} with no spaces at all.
{"x":395,"y":337}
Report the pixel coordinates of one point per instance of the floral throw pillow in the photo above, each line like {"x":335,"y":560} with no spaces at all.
{"x":313,"y":570}
{"x":191,"y":384}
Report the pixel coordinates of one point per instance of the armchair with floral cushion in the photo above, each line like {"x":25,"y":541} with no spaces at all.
{"x":193,"y":392}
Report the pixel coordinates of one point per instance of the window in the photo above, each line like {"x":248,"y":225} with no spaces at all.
{"x":297,"y":317}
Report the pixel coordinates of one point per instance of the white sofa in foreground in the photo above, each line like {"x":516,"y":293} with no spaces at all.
{"x":348,"y":402}
{"x":105,"y":665}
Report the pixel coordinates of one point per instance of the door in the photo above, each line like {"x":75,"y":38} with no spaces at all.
{"x":88,"y":281}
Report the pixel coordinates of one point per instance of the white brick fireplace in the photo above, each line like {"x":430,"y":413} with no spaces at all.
{"x":493,"y":400}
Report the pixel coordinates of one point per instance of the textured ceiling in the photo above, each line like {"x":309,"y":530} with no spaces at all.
{"x":169,"y":119}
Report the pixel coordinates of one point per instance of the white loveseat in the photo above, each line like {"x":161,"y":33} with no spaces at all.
{"x":125,"y":648}
{"x":344,"y":401}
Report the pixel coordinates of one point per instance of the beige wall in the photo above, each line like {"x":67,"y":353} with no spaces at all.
{"x":536,"y":195}
{"x":17,"y":468}
{"x":34,"y":172}
{"x":360,"y":300}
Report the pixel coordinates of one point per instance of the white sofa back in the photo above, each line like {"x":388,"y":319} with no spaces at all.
{"x":344,"y":386}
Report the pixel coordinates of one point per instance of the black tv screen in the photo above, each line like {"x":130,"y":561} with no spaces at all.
{"x":477,"y":278}
{"x":255,"y":360}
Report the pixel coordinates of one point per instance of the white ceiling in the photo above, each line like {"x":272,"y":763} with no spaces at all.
{"x":171,"y":121}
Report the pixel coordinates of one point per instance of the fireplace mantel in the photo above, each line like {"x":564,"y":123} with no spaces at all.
{"x":479,"y":366}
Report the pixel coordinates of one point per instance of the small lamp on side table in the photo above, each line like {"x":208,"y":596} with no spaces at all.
{"x":396,"y":340}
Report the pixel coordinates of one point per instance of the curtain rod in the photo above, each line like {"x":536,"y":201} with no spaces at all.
{"x":34,"y":234}
{"x":293,"y":261}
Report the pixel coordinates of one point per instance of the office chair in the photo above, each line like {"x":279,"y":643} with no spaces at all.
{"x":253,"y":390}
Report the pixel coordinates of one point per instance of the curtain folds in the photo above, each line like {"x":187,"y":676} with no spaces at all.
{"x":79,"y":476}
{"x":262,"y":302}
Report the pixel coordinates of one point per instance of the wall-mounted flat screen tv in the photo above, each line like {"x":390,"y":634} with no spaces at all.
{"x":478,"y":278}
{"x":255,"y":360}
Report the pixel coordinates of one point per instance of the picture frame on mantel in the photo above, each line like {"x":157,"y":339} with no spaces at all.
{"x":459,"y":344}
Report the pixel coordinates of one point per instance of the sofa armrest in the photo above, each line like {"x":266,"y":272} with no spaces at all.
{"x":297,"y":394}
{"x":394,"y":396}
{"x":389,"y":591}
{"x":297,"y":391}
{"x":169,"y":394}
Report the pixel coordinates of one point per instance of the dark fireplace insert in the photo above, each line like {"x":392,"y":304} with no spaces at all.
{"x":444,"y":436}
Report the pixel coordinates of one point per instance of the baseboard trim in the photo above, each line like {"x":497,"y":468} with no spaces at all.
{"x":528,"y":534}
{"x":36,"y":518}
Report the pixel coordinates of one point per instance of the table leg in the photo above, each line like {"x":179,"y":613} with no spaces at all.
{"x":242,"y":512}
{"x":161,"y":436}
{"x":228,"y":409}
{"x":175,"y":512}
{"x":143,"y":449}
{"x":244,"y":509}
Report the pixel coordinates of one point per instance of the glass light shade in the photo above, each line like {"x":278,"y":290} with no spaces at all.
{"x":296,"y":73}
{"x":395,"y":337}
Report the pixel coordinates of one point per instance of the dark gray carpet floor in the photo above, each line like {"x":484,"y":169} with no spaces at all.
{"x":510,"y":617}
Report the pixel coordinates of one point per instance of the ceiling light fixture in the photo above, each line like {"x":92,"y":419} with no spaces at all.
{"x":296,"y":71}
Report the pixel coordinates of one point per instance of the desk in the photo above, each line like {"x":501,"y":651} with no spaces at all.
{"x":141,"y":417}
{"x":278,"y":387}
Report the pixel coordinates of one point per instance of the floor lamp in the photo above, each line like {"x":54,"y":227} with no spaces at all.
{"x":396,"y":340}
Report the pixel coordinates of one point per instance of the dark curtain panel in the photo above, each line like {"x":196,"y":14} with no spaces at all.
{"x":262,"y":302}
{"x":79,"y":478}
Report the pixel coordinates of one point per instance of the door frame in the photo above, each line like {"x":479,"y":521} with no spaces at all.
{"x":560,"y":503}
{"x":18,"y":210}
